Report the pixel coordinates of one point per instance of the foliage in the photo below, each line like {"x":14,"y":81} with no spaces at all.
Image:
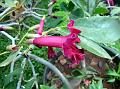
{"x":96,"y":85}
{"x":98,"y":22}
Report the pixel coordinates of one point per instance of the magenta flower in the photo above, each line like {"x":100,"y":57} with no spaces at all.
{"x":66,"y":43}
{"x":54,"y":1}
{"x":110,"y":2}
{"x":1,"y":29}
{"x":40,"y":29}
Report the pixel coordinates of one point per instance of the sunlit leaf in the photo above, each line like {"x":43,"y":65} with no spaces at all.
{"x":93,"y":47}
{"x":47,"y":87}
{"x":115,"y":11}
{"x":29,"y":84}
{"x":101,"y":10}
{"x":10,"y":3}
{"x":111,"y":80}
{"x":102,"y":29}
{"x":9,"y":59}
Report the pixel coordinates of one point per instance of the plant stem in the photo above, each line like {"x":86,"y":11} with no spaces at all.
{"x":34,"y":74}
{"x":5,"y":11}
{"x":21,"y":75}
{"x":6,"y":52}
{"x":12,"y":65}
{"x":9,"y":24}
{"x":9,"y":36}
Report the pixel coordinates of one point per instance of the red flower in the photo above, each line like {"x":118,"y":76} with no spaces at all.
{"x":1,"y":29}
{"x":54,"y":1}
{"x":110,"y":2}
{"x":87,"y":82}
{"x":66,"y":43}
{"x":40,"y":30}
{"x":51,"y":52}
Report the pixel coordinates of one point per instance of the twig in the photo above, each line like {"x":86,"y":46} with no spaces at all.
{"x":6,"y":52}
{"x":9,"y":36}
{"x":25,"y":25}
{"x":12,"y":65}
{"x":34,"y":74}
{"x":21,"y":74}
{"x":9,"y":24}
{"x":35,"y":16}
{"x":5,"y":11}
{"x":52,"y":67}
{"x":39,"y":9}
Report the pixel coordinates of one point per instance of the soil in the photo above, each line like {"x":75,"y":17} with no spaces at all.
{"x":62,"y":63}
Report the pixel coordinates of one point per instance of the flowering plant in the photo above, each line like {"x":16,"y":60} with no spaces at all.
{"x":66,"y":43}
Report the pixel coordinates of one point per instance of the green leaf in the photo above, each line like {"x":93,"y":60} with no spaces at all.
{"x":100,"y":85}
{"x":1,"y":4}
{"x":80,"y":4}
{"x":29,"y":84}
{"x":70,"y":6}
{"x":100,"y":29}
{"x":60,"y":13}
{"x":93,"y":85}
{"x":44,"y":87}
{"x":16,"y":72}
{"x":113,"y":73}
{"x":101,"y":10}
{"x":77,"y":13}
{"x":47,"y":87}
{"x":93,"y":47}
{"x":96,"y":85}
{"x":111,"y":80}
{"x":9,"y":59}
{"x":115,"y":11}
{"x":11,"y":85}
{"x":52,"y":22}
{"x":10,"y":3}
{"x":63,"y":6}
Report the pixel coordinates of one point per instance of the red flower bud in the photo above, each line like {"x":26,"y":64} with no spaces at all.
{"x":40,"y":29}
{"x":1,"y":29}
{"x":110,"y":2}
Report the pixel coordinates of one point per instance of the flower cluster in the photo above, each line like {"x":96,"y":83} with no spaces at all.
{"x":66,"y":43}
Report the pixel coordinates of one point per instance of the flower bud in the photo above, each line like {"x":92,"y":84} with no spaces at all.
{"x":13,"y":48}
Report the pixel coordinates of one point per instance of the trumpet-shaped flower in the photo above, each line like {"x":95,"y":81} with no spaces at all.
{"x":66,"y":43}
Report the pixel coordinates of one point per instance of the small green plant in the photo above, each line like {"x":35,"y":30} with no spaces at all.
{"x":96,"y":85}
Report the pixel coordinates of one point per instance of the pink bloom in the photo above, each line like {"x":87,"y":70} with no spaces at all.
{"x":66,"y":43}
{"x":87,"y":82}
{"x":1,"y":29}
{"x":54,"y":1}
{"x":110,"y":2}
{"x":40,"y":29}
{"x":51,"y":52}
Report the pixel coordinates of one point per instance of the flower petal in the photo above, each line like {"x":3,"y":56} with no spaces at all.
{"x":71,"y":28}
{"x":72,"y":52}
{"x":51,"y":53}
{"x":70,"y":24}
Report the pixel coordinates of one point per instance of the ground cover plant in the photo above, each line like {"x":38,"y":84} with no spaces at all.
{"x":59,"y":44}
